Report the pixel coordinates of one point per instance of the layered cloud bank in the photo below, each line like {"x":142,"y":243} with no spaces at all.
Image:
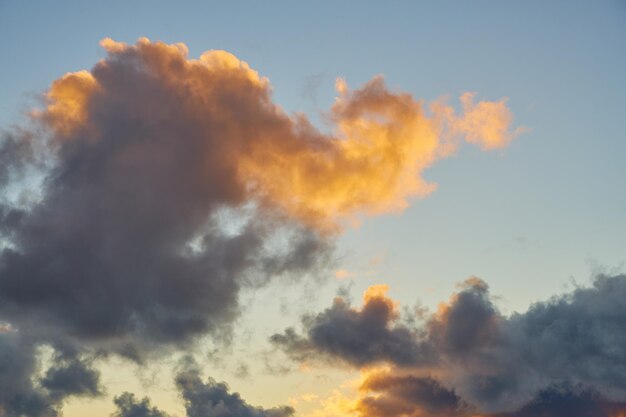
{"x":151,"y":189}
{"x":563,"y":357}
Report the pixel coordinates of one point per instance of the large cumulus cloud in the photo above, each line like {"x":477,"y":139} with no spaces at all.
{"x":128,"y":243}
{"x":151,"y":189}
{"x":494,"y":362}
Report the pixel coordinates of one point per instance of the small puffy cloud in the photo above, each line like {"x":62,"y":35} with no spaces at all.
{"x":201,"y":399}
{"x":357,"y":336}
{"x":129,"y":406}
{"x":486,"y":123}
{"x":72,"y":377}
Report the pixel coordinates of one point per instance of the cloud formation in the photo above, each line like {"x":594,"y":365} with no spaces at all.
{"x":213,"y":399}
{"x":24,"y":393}
{"x":360,"y":337}
{"x":152,"y":188}
{"x":128,"y":406}
{"x":568,"y":401}
{"x":201,"y":399}
{"x":408,"y":395}
{"x":491,"y":361}
{"x":128,"y":245}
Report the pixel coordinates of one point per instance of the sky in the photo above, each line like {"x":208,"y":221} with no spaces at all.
{"x":346,"y":209}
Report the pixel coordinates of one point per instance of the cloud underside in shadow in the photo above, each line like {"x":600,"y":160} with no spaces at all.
{"x":559,"y":353}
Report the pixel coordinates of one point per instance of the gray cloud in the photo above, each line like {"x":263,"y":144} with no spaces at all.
{"x":495,"y":362}
{"x":128,"y":406}
{"x":213,"y":399}
{"x":24,"y":393}
{"x":17,"y":152}
{"x":360,"y":337}
{"x":569,"y":401}
{"x":18,"y":395}
{"x":403,"y":395}
{"x":72,"y":378}
{"x":129,"y":247}
{"x":201,"y":399}
{"x":409,"y":395}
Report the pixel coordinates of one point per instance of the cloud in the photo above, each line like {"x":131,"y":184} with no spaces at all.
{"x":359,"y":337}
{"x":201,"y":399}
{"x":391,"y":395}
{"x":24,"y":393}
{"x":494,"y":362}
{"x":18,"y":395}
{"x":485,"y":124}
{"x":213,"y":399}
{"x":127,"y":248}
{"x":128,"y":245}
{"x":74,"y":378}
{"x":152,"y":188}
{"x":16,"y":153}
{"x":383,"y":392}
{"x":408,"y":395}
{"x":128,"y":406}
{"x":568,"y":401}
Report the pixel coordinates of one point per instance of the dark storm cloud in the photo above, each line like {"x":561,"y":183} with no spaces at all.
{"x":496,"y":362}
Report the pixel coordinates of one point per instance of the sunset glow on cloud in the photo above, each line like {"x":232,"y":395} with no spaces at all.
{"x":371,"y":164}
{"x":226,"y":211}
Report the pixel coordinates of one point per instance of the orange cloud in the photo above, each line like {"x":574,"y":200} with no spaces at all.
{"x":486,"y":123}
{"x":69,"y":101}
{"x":372,"y":162}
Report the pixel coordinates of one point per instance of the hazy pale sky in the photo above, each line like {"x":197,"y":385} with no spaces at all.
{"x":533,"y":219}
